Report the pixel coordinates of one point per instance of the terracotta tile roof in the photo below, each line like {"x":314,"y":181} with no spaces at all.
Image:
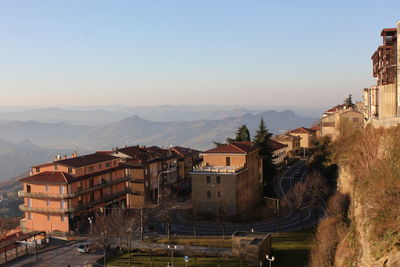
{"x":276,"y":145}
{"x":50,"y":177}
{"x":183,"y":151}
{"x":86,"y":160}
{"x":286,"y":137}
{"x":335,"y":108}
{"x":234,"y":148}
{"x":142,"y":154}
{"x":316,"y":128}
{"x":63,"y":177}
{"x":302,"y":130}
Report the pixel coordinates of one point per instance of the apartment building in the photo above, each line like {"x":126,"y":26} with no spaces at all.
{"x":292,"y":141}
{"x":332,"y":123}
{"x":307,"y":135}
{"x":382,"y":100}
{"x":228,"y":181}
{"x":154,"y":173}
{"x":187,"y":159}
{"x":279,"y":153}
{"x":60,"y":196}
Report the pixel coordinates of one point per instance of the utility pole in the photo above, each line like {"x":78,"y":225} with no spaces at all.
{"x":141,"y":223}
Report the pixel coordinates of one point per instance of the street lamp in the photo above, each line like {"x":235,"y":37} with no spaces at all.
{"x":270,"y":259}
{"x":158,"y":185}
{"x":90,"y":219}
{"x":216,"y":193}
{"x":172,"y":247}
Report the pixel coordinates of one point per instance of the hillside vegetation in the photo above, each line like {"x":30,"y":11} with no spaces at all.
{"x":366,"y":230}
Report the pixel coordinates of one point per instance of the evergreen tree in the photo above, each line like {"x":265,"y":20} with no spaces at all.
{"x":262,"y":139}
{"x":242,"y":134}
{"x":348,"y":102}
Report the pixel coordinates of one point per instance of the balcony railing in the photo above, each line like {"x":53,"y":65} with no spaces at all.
{"x":44,"y":210}
{"x":219,"y":169}
{"x":74,"y":194}
{"x":105,"y":198}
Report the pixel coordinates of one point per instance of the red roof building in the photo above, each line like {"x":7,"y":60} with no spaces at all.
{"x":60,"y":196}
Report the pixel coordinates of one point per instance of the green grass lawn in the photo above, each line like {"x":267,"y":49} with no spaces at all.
{"x":162,"y":261}
{"x":291,"y":249}
{"x":203,"y":242}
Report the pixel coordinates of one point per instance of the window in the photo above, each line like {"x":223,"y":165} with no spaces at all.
{"x":48,"y":203}
{"x":91,"y":196}
{"x":55,"y":167}
{"x":61,"y":189}
{"x":228,"y":161}
{"x":62,"y":217}
{"x":90,"y":169}
{"x":62,"y":204}
{"x":114,"y":163}
{"x":100,"y":166}
{"x":48,"y":217}
{"x":29,"y":216}
{"x":69,"y":170}
{"x":28,"y":188}
{"x":218,"y":179}
{"x":37,"y":169}
{"x":208,"y":179}
{"x":47,"y":188}
{"x":208,"y":194}
{"x":108,"y":165}
{"x":29,"y":203}
{"x":91,"y":183}
{"x":219,"y":194}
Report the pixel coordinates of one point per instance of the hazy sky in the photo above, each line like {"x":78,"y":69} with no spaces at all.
{"x":303,"y":53}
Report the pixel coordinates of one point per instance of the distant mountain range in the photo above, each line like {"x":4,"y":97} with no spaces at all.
{"x":25,"y":143}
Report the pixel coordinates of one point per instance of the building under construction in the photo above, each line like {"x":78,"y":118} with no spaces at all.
{"x":382,"y":100}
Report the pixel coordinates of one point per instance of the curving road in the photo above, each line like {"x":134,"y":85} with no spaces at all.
{"x":287,"y":223}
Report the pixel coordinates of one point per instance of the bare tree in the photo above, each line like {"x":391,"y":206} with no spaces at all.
{"x":103,"y":231}
{"x":317,"y":189}
{"x":296,"y":199}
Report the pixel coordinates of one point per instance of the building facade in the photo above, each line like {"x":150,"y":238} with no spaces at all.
{"x":187,"y":159}
{"x":279,"y":153}
{"x":382,"y":100}
{"x":307,"y":135}
{"x":292,"y":141}
{"x":61,"y":195}
{"x":228,"y":181}
{"x":342,"y":120}
{"x":154,"y":173}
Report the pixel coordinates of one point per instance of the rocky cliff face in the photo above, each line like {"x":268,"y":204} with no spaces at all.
{"x":355,"y":249}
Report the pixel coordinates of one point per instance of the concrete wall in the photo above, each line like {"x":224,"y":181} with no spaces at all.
{"x":228,"y":188}
{"x":387,"y":101}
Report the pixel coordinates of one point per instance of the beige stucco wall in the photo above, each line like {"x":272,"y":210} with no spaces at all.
{"x":387,"y":101}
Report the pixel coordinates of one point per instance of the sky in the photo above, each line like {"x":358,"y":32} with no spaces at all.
{"x":167,"y":52}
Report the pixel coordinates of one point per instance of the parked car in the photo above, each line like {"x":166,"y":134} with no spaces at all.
{"x":85,"y":247}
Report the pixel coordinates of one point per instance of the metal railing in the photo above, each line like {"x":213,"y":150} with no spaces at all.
{"x":73,"y":194}
{"x":104,"y":198}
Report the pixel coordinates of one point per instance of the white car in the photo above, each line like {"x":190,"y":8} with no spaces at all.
{"x":84,"y":248}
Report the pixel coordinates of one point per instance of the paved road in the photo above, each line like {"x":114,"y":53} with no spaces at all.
{"x":64,"y":255}
{"x":288,"y":223}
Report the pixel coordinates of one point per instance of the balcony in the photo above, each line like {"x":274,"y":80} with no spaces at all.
{"x":44,"y":210}
{"x":219,"y":169}
{"x":105,"y":198}
{"x":74,"y":194}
